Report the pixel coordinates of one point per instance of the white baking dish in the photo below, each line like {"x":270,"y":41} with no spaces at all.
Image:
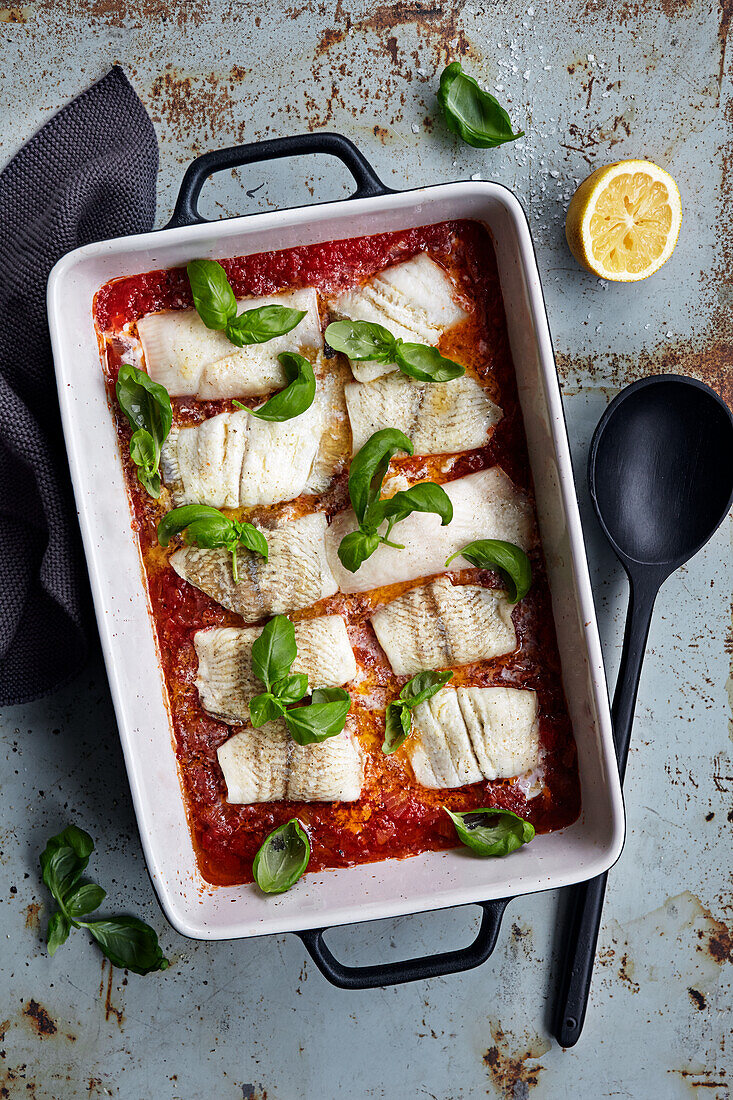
{"x":430,"y":881}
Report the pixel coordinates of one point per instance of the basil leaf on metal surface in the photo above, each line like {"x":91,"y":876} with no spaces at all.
{"x":502,"y":833}
{"x":209,"y":528}
{"x":323,"y":717}
{"x":297,"y":396}
{"x":361,"y":340}
{"x":65,"y":858}
{"x":281,"y":858}
{"x":274,"y":651}
{"x":397,"y":726}
{"x":147,"y":407}
{"x":213,"y":296}
{"x":473,"y":114}
{"x":58,"y":931}
{"x":426,"y":363}
{"x":263,"y":323}
{"x":509,"y":559}
{"x":128,"y":942}
{"x":85,"y":899}
{"x":369,"y":466}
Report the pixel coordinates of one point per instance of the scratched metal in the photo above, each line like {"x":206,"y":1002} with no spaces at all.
{"x":589,"y":83}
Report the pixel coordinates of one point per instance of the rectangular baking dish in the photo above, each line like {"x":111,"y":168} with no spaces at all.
{"x":433,"y":880}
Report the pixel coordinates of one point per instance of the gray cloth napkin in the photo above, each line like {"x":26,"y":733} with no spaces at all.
{"x":87,"y":175}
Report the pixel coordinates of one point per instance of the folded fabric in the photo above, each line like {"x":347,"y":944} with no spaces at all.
{"x":87,"y":175}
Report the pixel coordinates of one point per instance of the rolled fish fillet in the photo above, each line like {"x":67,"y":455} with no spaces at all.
{"x":226,"y":682}
{"x":266,"y":765}
{"x":463,"y":735}
{"x":437,"y":417}
{"x":441,"y":625}
{"x":486,"y":505}
{"x":296,"y":574}
{"x":415,"y":300}
{"x":191,"y":360}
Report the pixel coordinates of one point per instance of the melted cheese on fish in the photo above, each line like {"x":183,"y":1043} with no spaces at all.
{"x":415,"y":300}
{"x":437,"y":417}
{"x":296,"y":574}
{"x":191,"y":360}
{"x":226,"y":682}
{"x":441,"y":625}
{"x":463,"y":735}
{"x":486,"y":505}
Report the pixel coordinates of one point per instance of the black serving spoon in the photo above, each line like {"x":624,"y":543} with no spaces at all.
{"x":661,"y":479}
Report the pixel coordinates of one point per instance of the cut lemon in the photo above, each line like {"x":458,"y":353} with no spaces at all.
{"x":624,"y":220}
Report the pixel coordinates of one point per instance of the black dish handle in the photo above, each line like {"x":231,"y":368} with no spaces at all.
{"x":186,"y":210}
{"x":409,"y":970}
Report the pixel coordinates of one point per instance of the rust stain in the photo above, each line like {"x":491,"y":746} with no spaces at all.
{"x":16,"y":15}
{"x":32,"y":918}
{"x":704,"y":1079}
{"x":697,"y":998}
{"x":109,"y":1009}
{"x":437,"y":25}
{"x":625,"y":973}
{"x":131,"y":13}
{"x":40,"y":1020}
{"x":507,"y":1060}
{"x":253,"y":1092}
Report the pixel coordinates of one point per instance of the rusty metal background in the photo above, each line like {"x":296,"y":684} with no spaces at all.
{"x":590,"y":82}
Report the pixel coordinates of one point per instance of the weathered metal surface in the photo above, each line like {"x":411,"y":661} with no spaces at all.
{"x":589,"y":82}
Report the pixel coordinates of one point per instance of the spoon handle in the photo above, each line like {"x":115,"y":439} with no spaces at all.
{"x":587,"y":901}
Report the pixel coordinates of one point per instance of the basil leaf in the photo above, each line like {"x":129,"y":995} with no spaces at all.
{"x":58,"y":931}
{"x":145,"y":403}
{"x":355,"y":548}
{"x":422,"y":687}
{"x":281,"y":858}
{"x":426,"y":363}
{"x":253,"y":540}
{"x":425,"y":497}
{"x":143,"y":451}
{"x":397,"y":726}
{"x":473,"y":114}
{"x":85,"y":899}
{"x":213,"y":297}
{"x":504,"y":556}
{"x":274,"y":651}
{"x":324,"y":717}
{"x":361,"y":340}
{"x":503,"y":835}
{"x":369,"y":466}
{"x":178,"y":519}
{"x":291,"y":689}
{"x":129,"y":943}
{"x":298,"y":394}
{"x":263,"y":323}
{"x":265,"y":708}
{"x":64,"y":859}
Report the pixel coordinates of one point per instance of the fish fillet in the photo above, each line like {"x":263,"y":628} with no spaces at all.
{"x":225,"y":680}
{"x":463,"y":735}
{"x":437,"y":417}
{"x":440,"y":625}
{"x":414,"y":300}
{"x":296,"y":575}
{"x":191,"y":360}
{"x":266,"y":765}
{"x":486,"y":505}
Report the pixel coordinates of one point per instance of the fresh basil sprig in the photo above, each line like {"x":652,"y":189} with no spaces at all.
{"x":398,"y":716}
{"x":504,"y":833}
{"x":208,"y":527}
{"x":126,"y":941}
{"x":216,"y":305}
{"x":273,"y":654}
{"x":368,"y":340}
{"x":281,"y":858}
{"x":147,"y":406}
{"x":297,"y":396}
{"x":511,"y":560}
{"x":368,"y":469}
{"x":473,"y":114}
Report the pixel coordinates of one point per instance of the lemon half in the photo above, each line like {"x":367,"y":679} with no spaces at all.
{"x":624,"y":220}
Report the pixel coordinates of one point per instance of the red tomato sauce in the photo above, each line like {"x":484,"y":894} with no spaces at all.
{"x":395,"y":817}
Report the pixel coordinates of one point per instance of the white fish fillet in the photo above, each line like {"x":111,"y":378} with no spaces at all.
{"x":486,"y":505}
{"x":191,"y":360}
{"x":437,"y":417}
{"x":225,"y":680}
{"x":415,"y":300}
{"x":235,"y":460}
{"x":441,"y":625}
{"x":296,"y":575}
{"x":463,"y":735}
{"x":266,"y":765}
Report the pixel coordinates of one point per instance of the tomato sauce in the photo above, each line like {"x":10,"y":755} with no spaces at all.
{"x":395,"y":816}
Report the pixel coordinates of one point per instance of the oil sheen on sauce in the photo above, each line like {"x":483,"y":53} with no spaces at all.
{"x":395,"y":816}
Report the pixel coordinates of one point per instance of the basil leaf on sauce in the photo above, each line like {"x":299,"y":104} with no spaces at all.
{"x":213,"y":296}
{"x":397,"y":726}
{"x":361,"y":340}
{"x":424,"y":497}
{"x":509,"y":559}
{"x":263,"y":323}
{"x":398,"y":716}
{"x":324,"y":717}
{"x":473,"y":114}
{"x":129,"y":943}
{"x":426,"y":363}
{"x":274,"y":651}
{"x":355,"y":548}
{"x":297,"y":396}
{"x":423,"y":686}
{"x":291,"y":689}
{"x":501,"y":833}
{"x":281,"y":858}
{"x":147,"y":407}
{"x":265,"y":708}
{"x":209,"y":528}
{"x":369,"y":466}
